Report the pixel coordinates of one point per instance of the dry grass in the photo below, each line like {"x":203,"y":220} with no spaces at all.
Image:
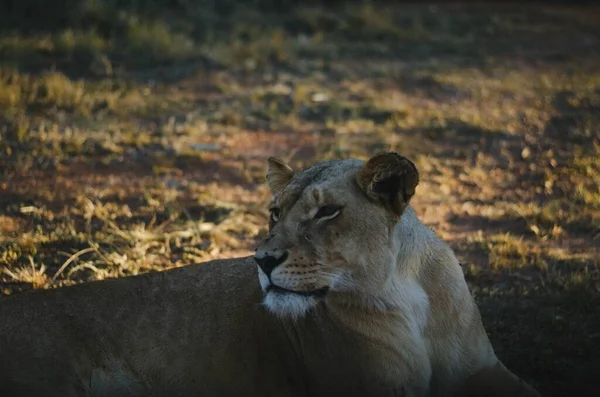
{"x":137,"y":141}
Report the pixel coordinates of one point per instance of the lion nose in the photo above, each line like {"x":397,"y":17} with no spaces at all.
{"x":269,"y":262}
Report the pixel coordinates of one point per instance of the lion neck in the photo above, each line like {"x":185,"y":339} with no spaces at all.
{"x":399,"y":301}
{"x":379,"y":326}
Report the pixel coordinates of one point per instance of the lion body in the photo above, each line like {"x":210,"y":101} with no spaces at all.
{"x":158,"y":332}
{"x":396,"y":317}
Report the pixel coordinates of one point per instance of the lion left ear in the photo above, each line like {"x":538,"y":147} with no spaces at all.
{"x":279,"y":174}
{"x":390,"y":179}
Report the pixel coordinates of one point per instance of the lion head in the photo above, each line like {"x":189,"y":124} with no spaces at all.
{"x":330,"y":229}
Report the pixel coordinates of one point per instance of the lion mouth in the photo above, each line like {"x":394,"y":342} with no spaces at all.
{"x":317,"y":292}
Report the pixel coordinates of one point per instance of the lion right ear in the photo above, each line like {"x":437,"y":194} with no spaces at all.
{"x":390,"y":179}
{"x":279,"y":174}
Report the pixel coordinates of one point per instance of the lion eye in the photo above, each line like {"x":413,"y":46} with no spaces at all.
{"x":275,"y":212}
{"x":328,"y":211}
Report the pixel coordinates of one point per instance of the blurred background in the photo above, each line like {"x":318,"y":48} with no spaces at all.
{"x":134,"y":138}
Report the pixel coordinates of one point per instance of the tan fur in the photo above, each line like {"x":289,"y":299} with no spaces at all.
{"x":279,"y":174}
{"x":362,"y":300}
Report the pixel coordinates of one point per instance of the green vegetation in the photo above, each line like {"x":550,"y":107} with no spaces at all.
{"x":134,"y":137}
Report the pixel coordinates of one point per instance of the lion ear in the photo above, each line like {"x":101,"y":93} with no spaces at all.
{"x":390,"y":179}
{"x":279,"y":174}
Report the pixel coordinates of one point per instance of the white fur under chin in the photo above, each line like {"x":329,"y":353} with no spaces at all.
{"x":282,"y":304}
{"x":289,"y":305}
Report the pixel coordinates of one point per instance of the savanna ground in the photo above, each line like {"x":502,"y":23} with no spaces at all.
{"x":134,"y":138}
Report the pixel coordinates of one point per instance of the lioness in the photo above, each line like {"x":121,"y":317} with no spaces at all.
{"x":354,"y":297}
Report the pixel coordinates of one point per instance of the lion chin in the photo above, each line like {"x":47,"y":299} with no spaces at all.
{"x":289,"y":304}
{"x":285,"y":302}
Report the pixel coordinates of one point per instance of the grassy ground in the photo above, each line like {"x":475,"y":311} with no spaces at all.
{"x":135,"y":139}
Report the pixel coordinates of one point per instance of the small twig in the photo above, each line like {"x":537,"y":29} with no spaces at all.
{"x":117,"y":230}
{"x":70,"y":260}
{"x":86,"y":265}
{"x":96,"y":249}
{"x":9,"y":273}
